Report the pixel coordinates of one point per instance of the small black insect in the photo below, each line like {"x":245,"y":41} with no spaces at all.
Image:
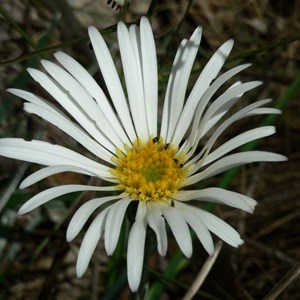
{"x":155,"y":140}
{"x":114,"y":5}
{"x":167,"y":146}
{"x":177,"y":161}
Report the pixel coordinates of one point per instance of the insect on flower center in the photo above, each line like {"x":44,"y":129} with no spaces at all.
{"x":149,"y":170}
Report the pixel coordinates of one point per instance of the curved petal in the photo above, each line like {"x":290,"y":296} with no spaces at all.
{"x":235,"y":117}
{"x":84,"y":100}
{"x":149,"y":69}
{"x":207,"y":96}
{"x":49,"y":171}
{"x":136,"y":248}
{"x":90,"y":241}
{"x":70,"y":128}
{"x":113,"y":224}
{"x":94,"y":90}
{"x":180,"y":229}
{"x":220,"y":107}
{"x":184,"y":67}
{"x":112,"y":80}
{"x":157,"y":223}
{"x":219,"y":228}
{"x":165,"y":122}
{"x":67,"y":102}
{"x":57,"y":191}
{"x":208,"y":74}
{"x":219,"y":195}
{"x":134,"y":82}
{"x":84,"y":212}
{"x":231,"y":161}
{"x":198,"y":226}
{"x":238,"y":141}
{"x":52,"y":114}
{"x":43,"y":153}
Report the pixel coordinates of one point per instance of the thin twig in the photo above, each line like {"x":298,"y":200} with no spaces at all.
{"x":271,"y":251}
{"x":284,"y":283}
{"x":203,"y":273}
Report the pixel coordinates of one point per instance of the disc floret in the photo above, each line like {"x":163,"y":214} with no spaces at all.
{"x":149,"y":170}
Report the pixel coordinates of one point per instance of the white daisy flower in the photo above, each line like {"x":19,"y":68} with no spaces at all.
{"x":156,"y":163}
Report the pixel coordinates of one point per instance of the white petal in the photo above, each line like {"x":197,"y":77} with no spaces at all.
{"x":180,"y":229}
{"x":136,"y":247}
{"x":208,"y":74}
{"x":47,"y":154}
{"x":182,"y":75}
{"x":217,"y":106}
{"x":157,"y":223}
{"x":52,"y":114}
{"x":264,"y":111}
{"x":90,"y":242}
{"x":64,"y":98}
{"x":218,"y":195}
{"x":198,"y":226}
{"x":234,"y":160}
{"x":217,"y":109}
{"x":83,"y":213}
{"x":57,"y":191}
{"x":113,"y":224}
{"x":207,"y":96}
{"x":32,"y":98}
{"x":49,"y":171}
{"x":94,"y":90}
{"x":134,"y":82}
{"x":219,"y":228}
{"x":112,"y":80}
{"x":205,"y":150}
{"x":240,"y":140}
{"x":83,"y":99}
{"x":149,"y":68}
{"x":63,"y":123}
{"x":165,"y":123}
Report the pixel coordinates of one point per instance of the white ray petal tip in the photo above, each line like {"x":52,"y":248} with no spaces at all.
{"x":11,"y":90}
{"x":31,"y":70}
{"x":278,"y":157}
{"x":22,"y":185}
{"x":92,"y":27}
{"x":80,"y":271}
{"x":133,"y":284}
{"x":92,"y":30}
{"x":144,"y":20}
{"x":109,"y":251}
{"x":22,"y":210}
{"x":70,"y":235}
{"x":211,"y":252}
{"x":59,"y":54}
{"x":228,"y":44}
{"x":46,"y":63}
{"x":188,"y":254}
{"x":121,"y":25}
{"x":199,"y":30}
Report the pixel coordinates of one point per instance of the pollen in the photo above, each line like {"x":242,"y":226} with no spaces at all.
{"x":149,"y":171}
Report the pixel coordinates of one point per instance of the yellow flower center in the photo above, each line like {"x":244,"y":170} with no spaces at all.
{"x":149,"y":171}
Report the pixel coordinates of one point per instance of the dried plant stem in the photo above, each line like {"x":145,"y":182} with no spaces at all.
{"x":284,"y":283}
{"x":203,"y":273}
